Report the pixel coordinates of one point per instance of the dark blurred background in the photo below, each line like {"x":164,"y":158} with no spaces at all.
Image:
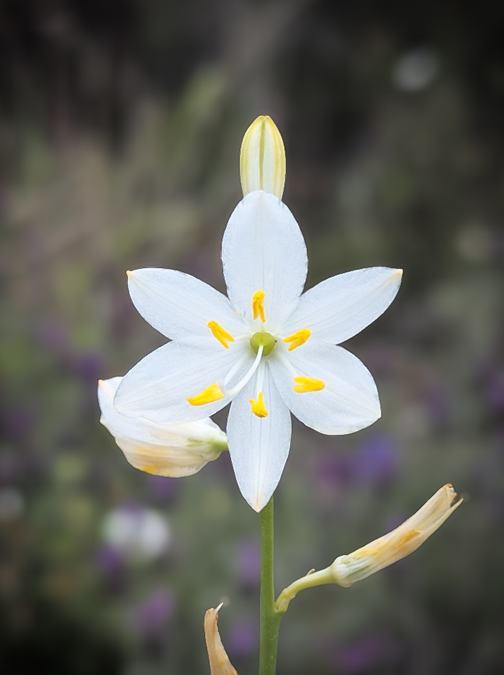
{"x":120,"y":128}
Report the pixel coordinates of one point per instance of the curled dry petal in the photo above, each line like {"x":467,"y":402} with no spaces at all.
{"x":219,"y":660}
{"x":347,"y":569}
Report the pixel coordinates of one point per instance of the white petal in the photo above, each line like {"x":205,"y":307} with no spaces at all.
{"x":179,"y":305}
{"x":259,"y":446}
{"x":165,"y":450}
{"x":263,"y":249}
{"x":348,"y":402}
{"x":115,"y":422}
{"x":157,"y":388}
{"x":340,"y":307}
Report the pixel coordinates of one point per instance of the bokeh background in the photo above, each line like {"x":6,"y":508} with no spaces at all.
{"x":120,"y":127}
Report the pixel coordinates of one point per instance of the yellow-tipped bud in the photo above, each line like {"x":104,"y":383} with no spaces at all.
{"x":347,"y":569}
{"x":262,"y":158}
{"x":219,"y":660}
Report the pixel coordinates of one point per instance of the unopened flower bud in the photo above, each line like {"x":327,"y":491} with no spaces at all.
{"x":262,"y":158}
{"x":174,"y":450}
{"x":347,"y":569}
{"x":219,"y":660}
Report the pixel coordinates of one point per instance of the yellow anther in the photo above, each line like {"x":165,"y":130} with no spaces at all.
{"x":304,"y":384}
{"x":209,"y":395}
{"x":297,"y":339}
{"x":258,"y":305}
{"x":257,"y":405}
{"x":220,"y":333}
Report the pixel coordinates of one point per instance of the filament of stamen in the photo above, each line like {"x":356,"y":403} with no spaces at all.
{"x":258,"y":305}
{"x":232,"y":372}
{"x":302,"y":384}
{"x":246,"y":378}
{"x":257,"y":405}
{"x":220,"y":333}
{"x":209,"y":395}
{"x":298,"y":338}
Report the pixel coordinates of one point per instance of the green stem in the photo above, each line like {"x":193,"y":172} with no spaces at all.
{"x":270,"y":618}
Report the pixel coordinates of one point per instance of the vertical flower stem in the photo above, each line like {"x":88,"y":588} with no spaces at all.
{"x":270,"y":618}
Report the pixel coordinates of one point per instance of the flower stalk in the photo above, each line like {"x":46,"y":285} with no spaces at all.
{"x":270,"y":617}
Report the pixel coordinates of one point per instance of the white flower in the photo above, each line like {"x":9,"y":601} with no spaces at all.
{"x":163,"y":449}
{"x":401,"y":542}
{"x":267,"y":349}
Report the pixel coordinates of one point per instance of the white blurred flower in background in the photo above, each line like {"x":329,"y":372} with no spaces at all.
{"x":138,"y":533}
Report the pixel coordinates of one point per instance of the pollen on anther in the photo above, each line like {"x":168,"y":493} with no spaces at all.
{"x":257,"y":405}
{"x":220,"y":333}
{"x":209,"y":395}
{"x":258,"y":305}
{"x":302,"y":384}
{"x":298,"y":338}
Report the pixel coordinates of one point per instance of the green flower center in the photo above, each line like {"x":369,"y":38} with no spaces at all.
{"x":264,"y":340}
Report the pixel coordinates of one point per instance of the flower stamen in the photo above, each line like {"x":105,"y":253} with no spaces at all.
{"x":257,"y":405}
{"x":258,"y":305}
{"x":209,"y":395}
{"x":298,"y":338}
{"x":220,"y":333}
{"x":302,"y":384}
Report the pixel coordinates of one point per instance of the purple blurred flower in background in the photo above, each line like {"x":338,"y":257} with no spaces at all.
{"x":374,"y":462}
{"x":88,"y":367}
{"x":494,"y":390}
{"x":161,"y":488}
{"x":365,"y":654}
{"x":241,"y":640}
{"x":111,"y":566}
{"x":53,"y":336}
{"x":248,"y":560}
{"x":16,"y":421}
{"x":437,"y":405}
{"x":151,"y":614}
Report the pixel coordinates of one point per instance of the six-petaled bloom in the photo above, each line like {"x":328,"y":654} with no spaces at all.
{"x":173,"y":450}
{"x":268,"y":348}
